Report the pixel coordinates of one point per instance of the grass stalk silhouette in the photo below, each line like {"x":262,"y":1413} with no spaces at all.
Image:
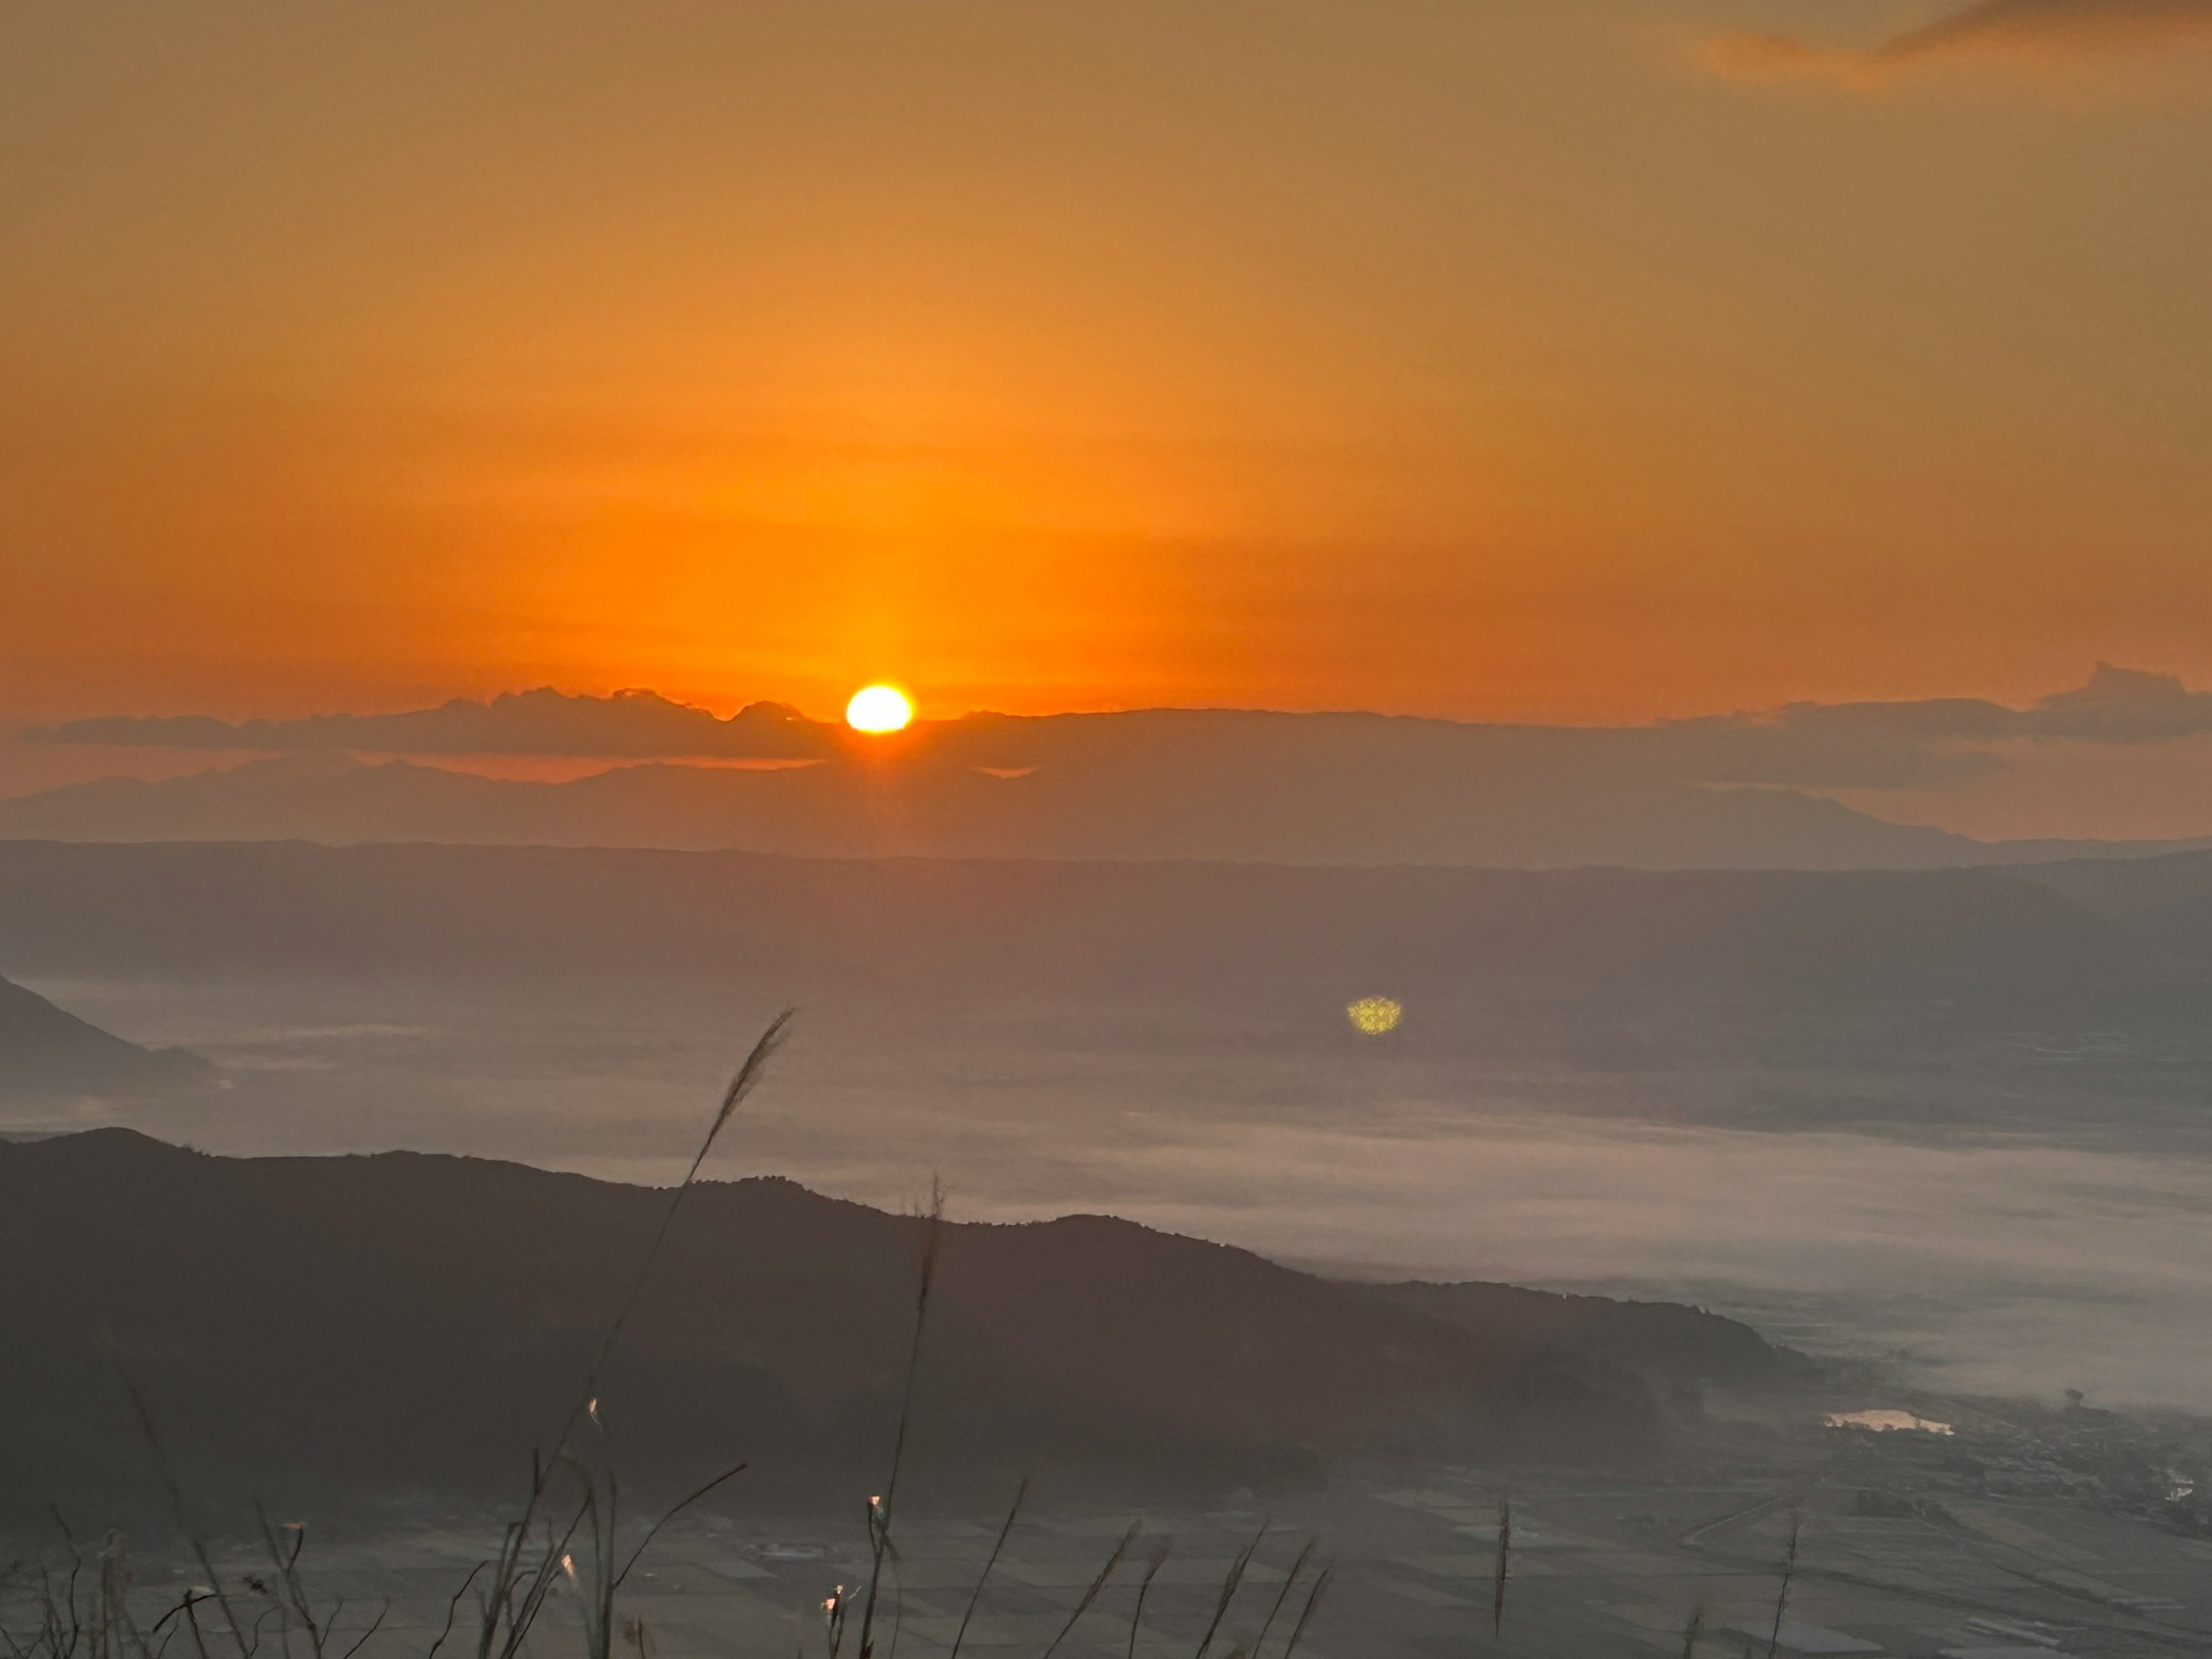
{"x":504,"y":1620}
{"x":1013,"y":1514}
{"x":1789,"y":1572}
{"x":1229,"y":1583}
{"x":1504,"y":1562}
{"x":1144,"y":1590}
{"x":1313,"y":1604}
{"x":880,"y":1508}
{"x":1091,"y":1595}
{"x":1289,"y":1582}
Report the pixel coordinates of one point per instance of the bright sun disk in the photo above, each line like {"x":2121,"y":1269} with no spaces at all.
{"x":878,"y":708}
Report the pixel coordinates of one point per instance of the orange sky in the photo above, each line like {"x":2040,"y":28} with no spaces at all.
{"x":1500,"y":361}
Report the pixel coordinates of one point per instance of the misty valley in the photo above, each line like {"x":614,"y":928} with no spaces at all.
{"x":1769,"y":1151}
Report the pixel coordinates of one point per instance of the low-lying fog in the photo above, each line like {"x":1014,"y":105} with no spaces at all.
{"x":1999,"y":1230}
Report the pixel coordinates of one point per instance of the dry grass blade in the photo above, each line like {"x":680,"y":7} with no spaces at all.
{"x":1690,"y":1632}
{"x":1230,"y":1582}
{"x":375,"y":1625}
{"x":1504,"y":1560}
{"x":1313,"y":1601}
{"x":506,"y":1619}
{"x":521,"y":1616}
{"x":1013,"y":1514}
{"x":175,"y":1494}
{"x":285,"y":1559}
{"x":1121,"y":1553}
{"x":453,"y":1607}
{"x":1789,"y":1572}
{"x":898,"y":1600}
{"x":880,"y":1509}
{"x":748,"y":1075}
{"x":653,"y":1531}
{"x":1282,"y":1595}
{"x":1144,"y":1590}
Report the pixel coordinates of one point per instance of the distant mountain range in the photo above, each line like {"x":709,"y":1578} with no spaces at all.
{"x":2075,"y":943}
{"x":46,"y":1052}
{"x":403,"y":1322}
{"x":1374,"y":791}
{"x":1917,"y":742}
{"x":1251,"y":786}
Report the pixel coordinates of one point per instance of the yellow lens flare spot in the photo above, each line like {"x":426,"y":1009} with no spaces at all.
{"x":878,"y":708}
{"x":1375,"y":1015}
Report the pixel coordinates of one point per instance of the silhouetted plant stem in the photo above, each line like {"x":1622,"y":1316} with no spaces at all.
{"x":1229,"y":1586}
{"x":1305,"y":1618}
{"x":1504,"y":1560}
{"x":1789,"y":1572}
{"x":500,"y":1631}
{"x":880,"y":1509}
{"x":175,"y":1494}
{"x":1282,"y":1595}
{"x":1143,"y":1589}
{"x":1013,"y":1513}
{"x":1089,"y":1596}
{"x":653,"y":1531}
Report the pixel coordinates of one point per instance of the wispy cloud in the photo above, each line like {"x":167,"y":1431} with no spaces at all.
{"x":2031,"y":28}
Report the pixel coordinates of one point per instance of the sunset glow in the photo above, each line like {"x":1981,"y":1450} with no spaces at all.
{"x":1302,"y":418}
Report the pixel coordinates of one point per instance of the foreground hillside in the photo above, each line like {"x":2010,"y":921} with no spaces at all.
{"x":403,"y":1322}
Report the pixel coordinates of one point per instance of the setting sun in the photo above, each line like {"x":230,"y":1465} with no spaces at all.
{"x":878,"y":708}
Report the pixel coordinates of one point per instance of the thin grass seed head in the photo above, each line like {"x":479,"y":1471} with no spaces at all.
{"x":749,"y":1074}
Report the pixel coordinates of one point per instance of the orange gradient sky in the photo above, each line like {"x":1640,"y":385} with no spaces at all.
{"x":1504,"y":361}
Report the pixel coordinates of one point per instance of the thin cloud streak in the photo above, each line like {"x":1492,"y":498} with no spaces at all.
{"x":2044,"y":28}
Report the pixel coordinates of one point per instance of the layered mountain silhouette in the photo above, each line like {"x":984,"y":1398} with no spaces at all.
{"x":377,"y":1323}
{"x":1917,"y":741}
{"x":45,"y":1051}
{"x":1240,"y":785}
{"x":1118,"y":807}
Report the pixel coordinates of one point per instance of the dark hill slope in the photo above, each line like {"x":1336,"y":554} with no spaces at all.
{"x":46,"y":1051}
{"x":2165,"y":900}
{"x":403,"y":1320}
{"x":1670,"y":1345}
